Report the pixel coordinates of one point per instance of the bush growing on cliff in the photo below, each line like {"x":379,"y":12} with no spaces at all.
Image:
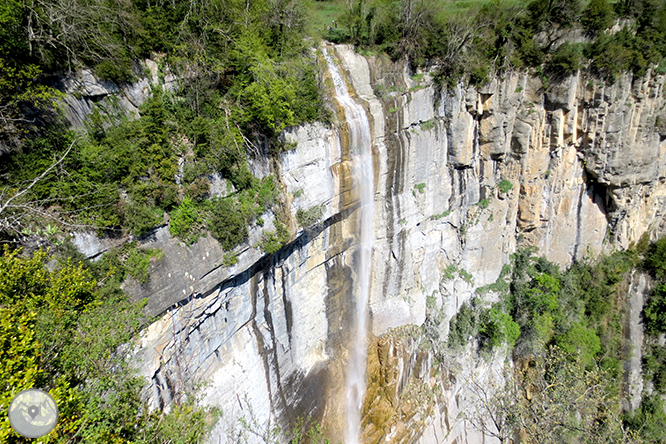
{"x":184,"y":220}
{"x":566,"y":60}
{"x":273,"y":241}
{"x":226,"y":224}
{"x":309,"y":217}
{"x":649,"y":420}
{"x":498,"y":329}
{"x":505,"y":186}
{"x":59,"y":334}
{"x":462,"y":326}
{"x":597,"y":16}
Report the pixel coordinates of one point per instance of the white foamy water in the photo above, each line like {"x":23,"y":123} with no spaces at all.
{"x":361,"y":150}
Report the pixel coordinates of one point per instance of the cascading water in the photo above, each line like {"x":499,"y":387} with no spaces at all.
{"x":361,"y":150}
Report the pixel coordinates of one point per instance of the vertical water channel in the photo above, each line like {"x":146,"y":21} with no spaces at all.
{"x":360,"y":148}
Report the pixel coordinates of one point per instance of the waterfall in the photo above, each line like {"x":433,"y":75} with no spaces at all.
{"x":361,"y":151}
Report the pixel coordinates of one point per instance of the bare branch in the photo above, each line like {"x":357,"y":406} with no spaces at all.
{"x":36,"y":180}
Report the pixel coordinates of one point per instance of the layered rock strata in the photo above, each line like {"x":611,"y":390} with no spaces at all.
{"x":462,"y":177}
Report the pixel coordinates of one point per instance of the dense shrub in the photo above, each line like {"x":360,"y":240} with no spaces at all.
{"x":498,"y":328}
{"x":140,"y":219}
{"x":463,"y":326}
{"x":61,"y":335}
{"x":309,"y":217}
{"x":184,"y":220}
{"x":566,"y":60}
{"x":655,"y":259}
{"x":597,"y":16}
{"x":226,"y":224}
{"x":655,"y":311}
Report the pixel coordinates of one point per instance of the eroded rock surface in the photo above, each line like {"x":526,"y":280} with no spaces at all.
{"x":462,"y":177}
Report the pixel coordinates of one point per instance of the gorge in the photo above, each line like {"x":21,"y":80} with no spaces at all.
{"x":425,"y":192}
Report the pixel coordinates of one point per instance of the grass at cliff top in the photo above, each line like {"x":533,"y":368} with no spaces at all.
{"x":323,"y":12}
{"x":454,"y":7}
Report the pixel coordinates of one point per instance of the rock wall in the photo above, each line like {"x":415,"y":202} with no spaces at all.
{"x":84,"y":93}
{"x":462,"y":177}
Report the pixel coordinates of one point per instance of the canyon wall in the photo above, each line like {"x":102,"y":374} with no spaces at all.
{"x":462,"y":178}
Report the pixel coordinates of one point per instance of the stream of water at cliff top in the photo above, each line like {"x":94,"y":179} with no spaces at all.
{"x":361,"y":151}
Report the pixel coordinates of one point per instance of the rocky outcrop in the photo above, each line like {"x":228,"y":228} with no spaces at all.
{"x":462,"y":177}
{"x":84,"y":94}
{"x":638,"y":291}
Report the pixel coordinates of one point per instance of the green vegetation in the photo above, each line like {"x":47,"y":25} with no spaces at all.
{"x":505,"y":186}
{"x":566,"y":323}
{"x":242,"y":87}
{"x":427,"y":125}
{"x":137,"y":262}
{"x":649,"y":419}
{"x":239,"y":89}
{"x":463,"y":326}
{"x":654,"y":317}
{"x":184,"y":220}
{"x":60,"y":333}
{"x":493,"y":326}
{"x":247,"y":73}
{"x":230,"y":259}
{"x":309,"y":217}
{"x":441,"y":215}
{"x":450,"y":273}
{"x":272,"y":242}
{"x":227,"y":224}
{"x":472,"y":40}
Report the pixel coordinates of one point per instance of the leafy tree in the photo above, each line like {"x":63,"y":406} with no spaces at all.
{"x":655,"y":311}
{"x":227,"y":224}
{"x":554,"y":12}
{"x":62,"y":33}
{"x":551,"y":400}
{"x":184,"y":220}
{"x":581,"y":342}
{"x":597,"y":16}
{"x":24,"y":101}
{"x":60,"y":335}
{"x":566,"y":60}
{"x":655,"y":258}
{"x":499,"y":328}
{"x":462,"y":326}
{"x":649,"y":421}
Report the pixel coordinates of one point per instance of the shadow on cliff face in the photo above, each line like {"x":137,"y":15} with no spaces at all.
{"x":306,"y":399}
{"x":600,"y":193}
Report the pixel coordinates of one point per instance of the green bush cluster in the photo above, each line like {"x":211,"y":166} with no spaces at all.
{"x":654,"y":317}
{"x":649,"y":419}
{"x":239,"y":90}
{"x":482,"y":38}
{"x":463,"y":326}
{"x":309,"y":217}
{"x":62,"y":335}
{"x":493,"y":326}
{"x":574,"y":310}
{"x":577,"y":313}
{"x":227,"y":224}
{"x":271,"y":242}
{"x":540,"y":307}
{"x":184,"y":221}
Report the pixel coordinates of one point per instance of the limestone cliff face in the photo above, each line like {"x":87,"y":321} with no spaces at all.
{"x":461,"y":178}
{"x":84,"y":93}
